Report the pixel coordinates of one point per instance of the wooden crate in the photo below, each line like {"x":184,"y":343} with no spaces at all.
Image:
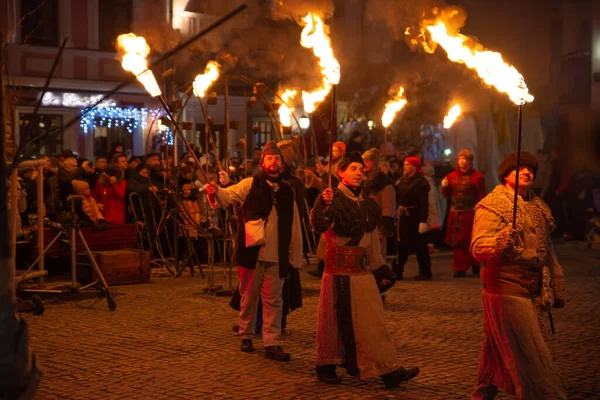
{"x":119,"y":267}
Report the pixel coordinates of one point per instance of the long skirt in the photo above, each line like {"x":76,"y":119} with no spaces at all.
{"x":351,"y":328}
{"x":515,"y":357}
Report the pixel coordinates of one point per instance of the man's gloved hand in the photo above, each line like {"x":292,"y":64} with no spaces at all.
{"x":224,"y":179}
{"x":422,"y":228}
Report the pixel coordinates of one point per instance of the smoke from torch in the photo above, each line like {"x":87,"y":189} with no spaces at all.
{"x":392,"y":107}
{"x":203,"y":81}
{"x":135,"y":50}
{"x":489,"y":65}
{"x":286,"y":110}
{"x":314,"y":37}
{"x":452,"y":116}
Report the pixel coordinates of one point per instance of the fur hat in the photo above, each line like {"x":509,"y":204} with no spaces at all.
{"x":372,"y":155}
{"x":270,"y":149}
{"x":349,"y":159}
{"x":67,"y":153}
{"x":466,"y":153}
{"x":289,"y":150}
{"x":341,"y":146}
{"x":509,"y":164}
{"x":79,"y":186}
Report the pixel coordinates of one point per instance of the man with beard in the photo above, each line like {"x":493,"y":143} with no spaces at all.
{"x":412,"y":197}
{"x":381,"y":189}
{"x":292,"y":290}
{"x":351,"y":330}
{"x":269,"y":244}
{"x":522,"y":279}
{"x":465,"y":187}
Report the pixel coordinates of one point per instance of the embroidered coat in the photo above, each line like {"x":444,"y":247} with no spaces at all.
{"x":515,"y":357}
{"x":351,"y":329}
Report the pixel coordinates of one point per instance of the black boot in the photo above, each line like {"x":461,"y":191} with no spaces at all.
{"x":276,"y":353}
{"x":247,"y":346}
{"x":326,"y":374}
{"x":398,"y":376}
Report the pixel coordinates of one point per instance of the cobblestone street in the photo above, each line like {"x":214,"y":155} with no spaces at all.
{"x":169,"y":340}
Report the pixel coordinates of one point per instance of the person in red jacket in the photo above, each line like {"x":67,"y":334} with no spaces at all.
{"x":464,"y":188}
{"x":110,"y":192}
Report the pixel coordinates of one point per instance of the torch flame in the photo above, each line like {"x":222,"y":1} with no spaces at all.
{"x":452,"y":116}
{"x":135,"y":51}
{"x":392,"y":107}
{"x":203,"y":81}
{"x":314,"y":37}
{"x":488,"y":64}
{"x":285,"y":111}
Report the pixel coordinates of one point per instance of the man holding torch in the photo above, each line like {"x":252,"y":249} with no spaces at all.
{"x":351,"y":330}
{"x":268,"y":246}
{"x":522,"y":280}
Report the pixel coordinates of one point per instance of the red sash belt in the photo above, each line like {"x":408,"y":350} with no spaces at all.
{"x":347,"y":260}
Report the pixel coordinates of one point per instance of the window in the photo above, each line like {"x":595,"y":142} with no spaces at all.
{"x":114,"y":18}
{"x":39,"y":24}
{"x":52,"y":145}
{"x":265,"y":134}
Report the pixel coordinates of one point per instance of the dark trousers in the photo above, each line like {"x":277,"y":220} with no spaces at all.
{"x":417,"y":245}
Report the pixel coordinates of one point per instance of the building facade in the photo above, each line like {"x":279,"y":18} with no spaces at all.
{"x":87,"y":69}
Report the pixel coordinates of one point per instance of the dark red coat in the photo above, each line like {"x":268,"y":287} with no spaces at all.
{"x":464,"y":191}
{"x":112,"y":197}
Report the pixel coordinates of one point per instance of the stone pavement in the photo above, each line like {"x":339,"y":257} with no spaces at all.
{"x":169,"y":340}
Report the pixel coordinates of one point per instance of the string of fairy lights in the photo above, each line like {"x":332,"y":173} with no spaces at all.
{"x":128,"y":118}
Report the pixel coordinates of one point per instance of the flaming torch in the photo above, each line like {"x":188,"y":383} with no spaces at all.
{"x":285,"y":110}
{"x":392,"y":107}
{"x":203,"y":81}
{"x":314,"y":37}
{"x":493,"y":70}
{"x":134,"y":51}
{"x":489,"y":65}
{"x":452,"y":116}
{"x":201,"y":84}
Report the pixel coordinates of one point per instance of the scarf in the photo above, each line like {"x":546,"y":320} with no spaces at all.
{"x":259,"y":202}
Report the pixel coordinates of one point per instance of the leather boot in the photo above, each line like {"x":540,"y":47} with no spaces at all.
{"x":394,"y":378}
{"x":247,"y":346}
{"x":276,"y":353}
{"x":326,"y":374}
